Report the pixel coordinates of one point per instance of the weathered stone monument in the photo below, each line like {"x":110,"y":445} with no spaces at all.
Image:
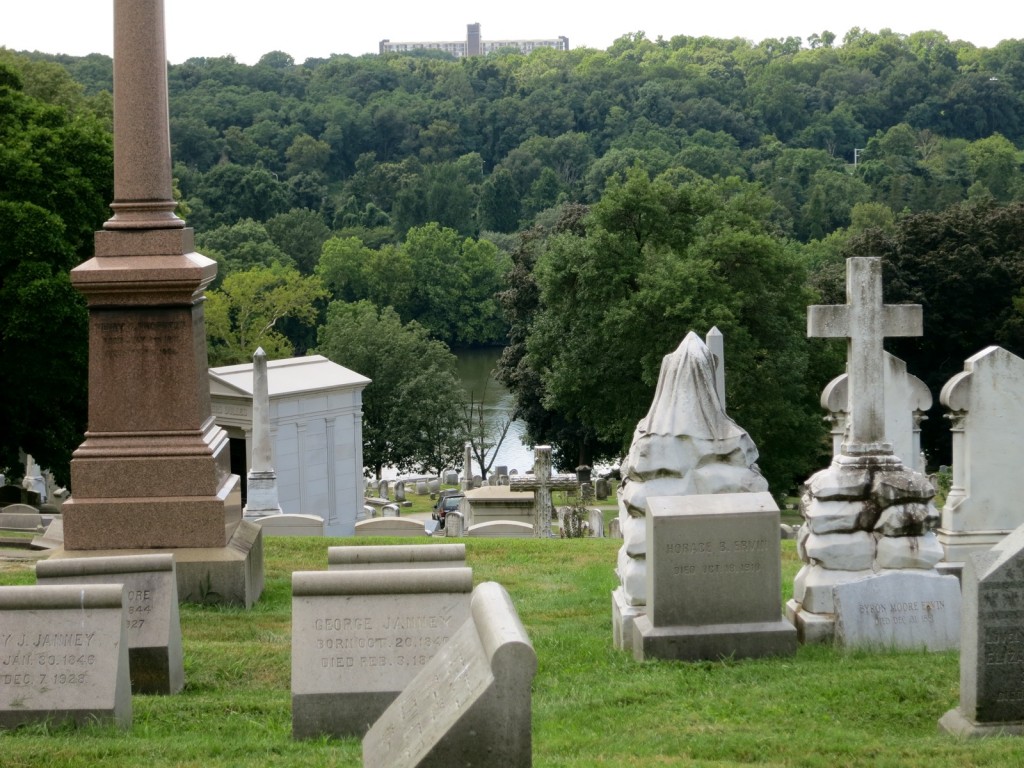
{"x":714,"y":579}
{"x":986,"y":404}
{"x":153,"y":471}
{"x":470,"y":704}
{"x":261,"y":483}
{"x":992,"y":643}
{"x":686,"y":445}
{"x":867,"y":515}
{"x":542,"y":482}
{"x":63,"y":656}
{"x":152,"y":625}
{"x":360,"y":636}
{"x":907,"y":399}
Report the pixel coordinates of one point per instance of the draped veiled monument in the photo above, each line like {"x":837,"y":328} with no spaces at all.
{"x":153,"y":471}
{"x":867,"y":542}
{"x":691,"y":494}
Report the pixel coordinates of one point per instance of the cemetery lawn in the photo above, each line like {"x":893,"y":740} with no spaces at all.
{"x":592,"y":705}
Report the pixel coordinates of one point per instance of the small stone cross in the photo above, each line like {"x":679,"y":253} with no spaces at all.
{"x":864,"y":321}
{"x":542,"y":483}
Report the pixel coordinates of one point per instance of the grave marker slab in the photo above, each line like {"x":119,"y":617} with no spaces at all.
{"x":152,"y":624}
{"x":392,"y":557}
{"x":909,"y":609}
{"x":359,"y":637}
{"x":63,"y":655}
{"x":390,"y":526}
{"x":992,"y":643}
{"x":470,"y":705}
{"x":713,"y":579}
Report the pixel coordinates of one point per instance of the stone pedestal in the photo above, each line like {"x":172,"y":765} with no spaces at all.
{"x":713,"y":580}
{"x":865,"y":516}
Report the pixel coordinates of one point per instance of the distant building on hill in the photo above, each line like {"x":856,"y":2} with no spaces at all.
{"x":473,"y":45}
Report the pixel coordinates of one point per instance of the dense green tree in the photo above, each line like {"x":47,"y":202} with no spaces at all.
{"x":245,"y":312}
{"x":301,"y":234}
{"x":56,"y":171}
{"x":412,"y":408}
{"x":239,"y":247}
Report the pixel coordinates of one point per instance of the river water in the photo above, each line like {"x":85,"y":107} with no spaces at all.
{"x":476,"y":372}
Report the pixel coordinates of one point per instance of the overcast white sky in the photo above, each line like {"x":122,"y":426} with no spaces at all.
{"x":247,"y":29}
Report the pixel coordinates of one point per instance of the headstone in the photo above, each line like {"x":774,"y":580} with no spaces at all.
{"x":391,"y":510}
{"x":390,"y":526}
{"x":392,"y":557}
{"x":596,"y":523}
{"x":373,"y":488}
{"x":501,"y":529}
{"x":583,"y":474}
{"x":513,"y":472}
{"x":21,"y":517}
{"x":152,"y":626}
{"x":875,"y":613}
{"x":399,"y":491}
{"x":261,"y":482}
{"x":366,"y":513}
{"x":454,"y":525}
{"x":602,"y":490}
{"x":52,"y":537}
{"x":63,"y":656}
{"x":614,"y":529}
{"x":470,"y":704}
{"x":359,"y":637}
{"x":478,"y":481}
{"x":907,"y":399}
{"x":421,"y":487}
{"x":685,"y":445}
{"x":451,"y":477}
{"x":292,"y":525}
{"x":867,"y":514}
{"x":154,"y":469}
{"x":713,"y":580}
{"x":492,"y":481}
{"x":992,"y":643}
{"x":986,"y":403}
{"x":34,"y":480}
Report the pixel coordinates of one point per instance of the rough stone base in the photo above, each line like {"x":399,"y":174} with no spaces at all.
{"x":623,"y":616}
{"x":954,"y":722}
{"x":231,"y":575}
{"x":339,"y":715}
{"x":811,"y":628}
{"x":711,"y":642}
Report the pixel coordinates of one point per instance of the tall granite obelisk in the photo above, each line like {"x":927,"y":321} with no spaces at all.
{"x":153,"y":471}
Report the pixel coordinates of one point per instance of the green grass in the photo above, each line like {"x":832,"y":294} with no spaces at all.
{"x":592,"y":705}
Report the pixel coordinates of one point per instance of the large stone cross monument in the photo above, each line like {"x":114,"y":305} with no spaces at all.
{"x":153,"y":471}
{"x":867,"y":542}
{"x":864,"y":321}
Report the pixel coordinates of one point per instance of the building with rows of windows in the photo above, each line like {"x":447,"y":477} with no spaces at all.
{"x":473,"y":45}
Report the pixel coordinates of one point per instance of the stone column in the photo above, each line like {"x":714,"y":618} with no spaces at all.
{"x":153,"y":470}
{"x":467,"y":467}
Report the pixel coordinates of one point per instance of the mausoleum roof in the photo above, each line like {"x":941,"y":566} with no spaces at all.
{"x":293,"y":375}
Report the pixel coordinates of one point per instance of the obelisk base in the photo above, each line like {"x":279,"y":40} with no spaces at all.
{"x":230,"y":575}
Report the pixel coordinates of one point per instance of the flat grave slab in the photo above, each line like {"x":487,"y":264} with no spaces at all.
{"x":151,"y":620}
{"x":63,"y":656}
{"x":359,"y":637}
{"x":470,"y":705}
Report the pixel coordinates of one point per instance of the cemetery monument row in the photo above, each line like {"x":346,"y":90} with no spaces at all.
{"x":867,"y":544}
{"x":153,"y":471}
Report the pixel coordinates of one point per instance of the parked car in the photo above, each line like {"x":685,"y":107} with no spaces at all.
{"x":447,"y":501}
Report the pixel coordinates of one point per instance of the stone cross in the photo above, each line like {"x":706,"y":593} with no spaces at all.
{"x":864,"y":321}
{"x":262,"y":496}
{"x":542,"y":483}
